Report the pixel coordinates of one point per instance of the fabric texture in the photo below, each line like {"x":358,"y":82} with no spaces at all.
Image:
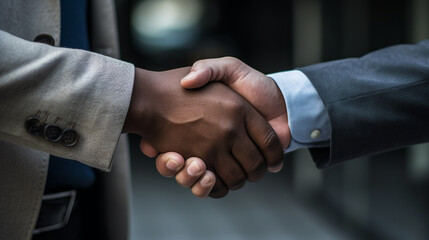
{"x":90,"y":90}
{"x":375,"y":103}
{"x":64,"y":173}
{"x":95,"y":101}
{"x":305,"y":110}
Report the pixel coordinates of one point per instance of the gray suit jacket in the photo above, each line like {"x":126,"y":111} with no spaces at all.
{"x":375,"y":103}
{"x":90,"y":90}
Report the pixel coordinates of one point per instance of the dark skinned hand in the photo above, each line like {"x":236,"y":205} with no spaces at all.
{"x":213,"y":123}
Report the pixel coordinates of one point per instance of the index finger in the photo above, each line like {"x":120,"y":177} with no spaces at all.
{"x":264,"y":137}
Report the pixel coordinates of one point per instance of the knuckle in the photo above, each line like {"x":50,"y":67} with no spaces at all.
{"x":235,"y":105}
{"x":257,"y":169}
{"x":229,"y":131}
{"x":232,"y":60}
{"x":273,"y":145}
{"x":237,"y":182}
{"x":203,"y":66}
{"x":198,"y":63}
{"x":271,"y":140}
{"x":233,"y":64}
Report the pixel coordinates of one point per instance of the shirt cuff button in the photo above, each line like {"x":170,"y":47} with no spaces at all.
{"x":315,"y":134}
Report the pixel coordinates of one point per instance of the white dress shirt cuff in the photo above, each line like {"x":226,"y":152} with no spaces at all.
{"x":307,"y":116}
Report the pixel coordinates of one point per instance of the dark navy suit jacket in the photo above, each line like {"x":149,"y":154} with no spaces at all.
{"x":375,"y":103}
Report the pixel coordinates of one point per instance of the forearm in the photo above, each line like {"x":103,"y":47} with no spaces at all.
{"x":375,"y":103}
{"x":84,"y":90}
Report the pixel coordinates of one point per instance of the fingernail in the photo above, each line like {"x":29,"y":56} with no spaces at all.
{"x":172,"y":164}
{"x":194,"y":169}
{"x":276,"y":168}
{"x":206,"y":180}
{"x":189,"y":76}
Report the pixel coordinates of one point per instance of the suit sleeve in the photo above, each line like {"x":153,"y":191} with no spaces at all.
{"x":67,"y":87}
{"x":375,"y":103}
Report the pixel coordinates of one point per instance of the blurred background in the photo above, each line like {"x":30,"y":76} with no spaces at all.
{"x":377,"y":197}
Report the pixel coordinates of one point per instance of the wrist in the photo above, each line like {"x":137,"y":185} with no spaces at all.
{"x":280,"y":123}
{"x":138,"y":111}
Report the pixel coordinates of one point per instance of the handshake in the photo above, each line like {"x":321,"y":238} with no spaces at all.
{"x":226,"y":119}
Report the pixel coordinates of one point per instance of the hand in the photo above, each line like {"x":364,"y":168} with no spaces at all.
{"x":212,"y":123}
{"x":260,"y":90}
{"x":172,"y":164}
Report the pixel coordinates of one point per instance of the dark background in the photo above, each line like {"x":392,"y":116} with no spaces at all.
{"x":376,"y":197}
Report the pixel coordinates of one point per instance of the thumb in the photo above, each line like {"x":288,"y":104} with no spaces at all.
{"x":205,"y":71}
{"x":196,"y":78}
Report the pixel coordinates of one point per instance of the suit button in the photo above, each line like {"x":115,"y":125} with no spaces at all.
{"x":69,"y":137}
{"x":52,"y":132}
{"x":34,"y":126}
{"x":45,"y":38}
